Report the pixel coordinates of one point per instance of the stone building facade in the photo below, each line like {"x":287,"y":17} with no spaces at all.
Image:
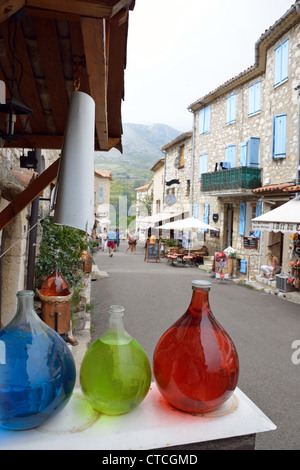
{"x":102,"y":206}
{"x":15,"y":237}
{"x":178,"y":173}
{"x":245,"y":138}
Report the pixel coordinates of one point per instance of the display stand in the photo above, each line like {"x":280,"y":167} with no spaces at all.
{"x":152,"y":252}
{"x":152,"y":425}
{"x":221,"y":266}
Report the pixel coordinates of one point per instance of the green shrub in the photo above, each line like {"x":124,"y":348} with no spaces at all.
{"x":60,"y":249}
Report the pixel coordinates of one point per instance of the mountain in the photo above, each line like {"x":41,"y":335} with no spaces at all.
{"x":141,"y":149}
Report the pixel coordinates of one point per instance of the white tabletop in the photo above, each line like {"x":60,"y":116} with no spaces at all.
{"x":152,"y":425}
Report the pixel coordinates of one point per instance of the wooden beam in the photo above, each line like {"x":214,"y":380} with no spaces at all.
{"x":28,"y":195}
{"x":9,"y":8}
{"x":116,"y":67}
{"x":90,"y":8}
{"x":96,"y":63}
{"x":122,"y":4}
{"x":51,"y":61}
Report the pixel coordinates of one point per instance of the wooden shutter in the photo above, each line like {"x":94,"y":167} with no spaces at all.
{"x":201,"y":121}
{"x":202,"y":165}
{"x":243,"y":160}
{"x":100,"y":195}
{"x":242,"y":218}
{"x":196,"y":210}
{"x":231,"y":109}
{"x":258,"y":213}
{"x":254,"y":152}
{"x":284,"y":60}
{"x":279,"y":136}
{"x":230,"y":156}
{"x":206,"y":214}
{"x":257,"y":91}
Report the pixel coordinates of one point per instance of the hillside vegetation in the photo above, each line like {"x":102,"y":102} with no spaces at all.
{"x":141,"y":150}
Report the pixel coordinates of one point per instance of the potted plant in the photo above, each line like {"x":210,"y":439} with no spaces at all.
{"x":61,"y":248}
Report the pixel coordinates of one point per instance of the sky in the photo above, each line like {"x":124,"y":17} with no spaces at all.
{"x":180,"y":50}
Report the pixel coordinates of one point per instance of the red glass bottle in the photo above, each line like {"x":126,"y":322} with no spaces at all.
{"x":55,"y":285}
{"x":195,"y":362}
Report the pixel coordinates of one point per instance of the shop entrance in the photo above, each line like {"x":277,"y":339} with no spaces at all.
{"x":276,"y":245}
{"x":229,"y":229}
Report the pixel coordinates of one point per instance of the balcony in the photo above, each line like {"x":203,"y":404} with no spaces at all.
{"x":232,"y":179}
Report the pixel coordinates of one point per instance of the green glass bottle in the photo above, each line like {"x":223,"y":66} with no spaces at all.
{"x":115,"y":373}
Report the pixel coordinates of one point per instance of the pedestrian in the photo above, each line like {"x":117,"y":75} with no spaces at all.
{"x":135,"y":237}
{"x":104,"y":239}
{"x":118,"y":237}
{"x":130,"y":243}
{"x":269,"y":270}
{"x":111,"y":236}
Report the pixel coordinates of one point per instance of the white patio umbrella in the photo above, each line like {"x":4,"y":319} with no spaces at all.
{"x":104,"y":221}
{"x":190,"y":223}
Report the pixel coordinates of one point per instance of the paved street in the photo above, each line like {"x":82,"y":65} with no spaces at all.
{"x":262,"y":326}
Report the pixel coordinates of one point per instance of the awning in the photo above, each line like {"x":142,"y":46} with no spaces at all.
{"x":190,"y":223}
{"x":285,"y":218}
{"x":160,"y":217}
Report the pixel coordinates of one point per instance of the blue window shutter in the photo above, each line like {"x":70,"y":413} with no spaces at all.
{"x":242,"y":218}
{"x":279,"y":136}
{"x":207,"y":119}
{"x":100,"y":195}
{"x":254,"y":152}
{"x":257,"y":88}
{"x":285,"y":60}
{"x":228,"y":110}
{"x":201,"y":121}
{"x":231,"y":109}
{"x":230,"y":156}
{"x":258,"y":213}
{"x":244,"y":146}
{"x":206,"y":214}
{"x":196,"y":210}
{"x":277,"y":78}
{"x":202,"y":165}
{"x":281,"y":62}
{"x":251,"y":99}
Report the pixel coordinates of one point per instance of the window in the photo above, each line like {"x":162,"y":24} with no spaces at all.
{"x":188,"y":188}
{"x":254,"y":98}
{"x":204,"y":120}
{"x":203,"y":213}
{"x":100,"y":195}
{"x":281,"y":63}
{"x":248,"y":211}
{"x":279,"y":136}
{"x":231,"y":109}
{"x":196,"y":210}
{"x":230,"y":156}
{"x":250,"y":153}
{"x":202,"y":165}
{"x":181,"y":164}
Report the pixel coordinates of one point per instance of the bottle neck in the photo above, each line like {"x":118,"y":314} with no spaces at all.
{"x":115,"y":325}
{"x":199,"y":305}
{"x":25,"y":307}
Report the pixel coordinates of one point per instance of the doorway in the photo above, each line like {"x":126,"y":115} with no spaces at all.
{"x":229,"y":228}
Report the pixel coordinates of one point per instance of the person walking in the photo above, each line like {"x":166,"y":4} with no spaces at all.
{"x":118,"y":237}
{"x":111,"y":236}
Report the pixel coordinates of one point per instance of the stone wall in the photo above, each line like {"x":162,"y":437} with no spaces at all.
{"x":274,"y":101}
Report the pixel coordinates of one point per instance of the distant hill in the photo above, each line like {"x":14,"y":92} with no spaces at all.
{"x":141,"y":149}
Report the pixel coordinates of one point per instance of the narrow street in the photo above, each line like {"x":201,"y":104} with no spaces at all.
{"x":262,"y":326}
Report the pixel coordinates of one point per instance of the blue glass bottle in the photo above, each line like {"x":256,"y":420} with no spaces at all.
{"x":37,"y":369}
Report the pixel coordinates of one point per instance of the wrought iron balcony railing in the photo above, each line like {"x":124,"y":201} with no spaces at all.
{"x":234,"y":178}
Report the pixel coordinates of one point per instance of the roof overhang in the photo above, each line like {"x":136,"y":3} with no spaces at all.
{"x":62,"y":46}
{"x":267,"y":40}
